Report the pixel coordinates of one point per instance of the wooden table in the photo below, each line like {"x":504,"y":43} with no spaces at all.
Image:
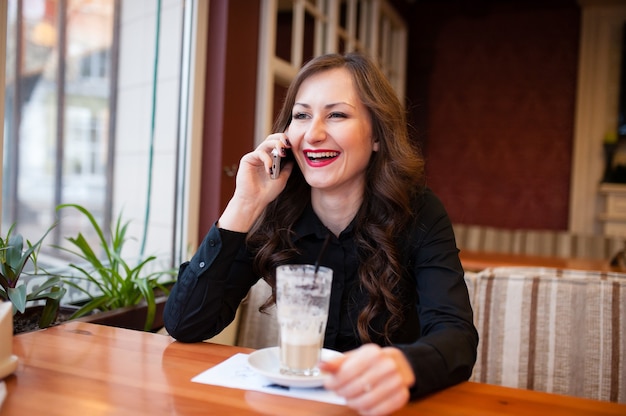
{"x":87,"y":369}
{"x":477,"y":261}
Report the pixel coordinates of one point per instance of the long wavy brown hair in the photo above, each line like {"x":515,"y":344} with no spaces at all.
{"x":394,"y":176}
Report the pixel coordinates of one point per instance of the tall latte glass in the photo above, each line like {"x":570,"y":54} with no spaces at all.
{"x":302,"y":299}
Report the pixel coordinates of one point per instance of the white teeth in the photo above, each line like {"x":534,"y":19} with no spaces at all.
{"x":321,"y":155}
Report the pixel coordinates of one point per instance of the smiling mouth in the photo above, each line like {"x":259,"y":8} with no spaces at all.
{"x":321,"y":156}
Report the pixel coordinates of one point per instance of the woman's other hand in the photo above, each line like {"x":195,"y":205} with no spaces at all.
{"x":373,"y":380}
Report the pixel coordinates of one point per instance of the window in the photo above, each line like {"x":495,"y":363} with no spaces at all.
{"x":57,"y":111}
{"x":96,"y":114}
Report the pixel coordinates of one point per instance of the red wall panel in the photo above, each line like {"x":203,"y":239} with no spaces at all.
{"x":493,"y":103}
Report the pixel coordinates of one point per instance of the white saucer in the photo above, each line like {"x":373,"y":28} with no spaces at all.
{"x":8,"y":366}
{"x":267,"y":363}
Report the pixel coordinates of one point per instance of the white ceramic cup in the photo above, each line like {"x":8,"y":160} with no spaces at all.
{"x":302,"y":300}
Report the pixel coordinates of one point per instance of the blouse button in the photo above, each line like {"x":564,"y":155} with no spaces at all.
{"x":201,"y":264}
{"x":212,"y":243}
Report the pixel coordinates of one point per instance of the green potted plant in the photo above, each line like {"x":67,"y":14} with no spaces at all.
{"x":121,"y":286}
{"x":13,"y":258}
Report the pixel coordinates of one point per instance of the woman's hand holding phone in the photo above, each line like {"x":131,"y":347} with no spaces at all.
{"x":261,"y":177}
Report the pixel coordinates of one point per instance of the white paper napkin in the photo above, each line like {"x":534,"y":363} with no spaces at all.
{"x":235,"y":373}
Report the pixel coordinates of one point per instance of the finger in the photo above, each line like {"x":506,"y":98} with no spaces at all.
{"x":331,"y":366}
{"x":385,"y":396}
{"x":374,"y":381}
{"x":277,"y":140}
{"x":257,"y":159}
{"x":347,"y":378}
{"x":401,"y":364}
{"x":284,"y":139}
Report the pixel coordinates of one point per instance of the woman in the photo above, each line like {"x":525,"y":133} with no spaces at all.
{"x":399,"y":304}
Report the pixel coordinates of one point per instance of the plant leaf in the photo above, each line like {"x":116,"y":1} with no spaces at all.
{"x":92,"y":305}
{"x":16,"y":257}
{"x":17,"y":296}
{"x":148,"y":294}
{"x":53,"y":284}
{"x":93,"y":222}
{"x":51,"y":308}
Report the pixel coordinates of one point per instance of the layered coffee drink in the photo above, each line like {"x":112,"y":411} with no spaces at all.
{"x":300,"y":358}
{"x":302,"y":299}
{"x":301,"y":338}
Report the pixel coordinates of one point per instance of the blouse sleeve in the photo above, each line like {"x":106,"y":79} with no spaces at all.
{"x":445,"y":352}
{"x":209,"y":287}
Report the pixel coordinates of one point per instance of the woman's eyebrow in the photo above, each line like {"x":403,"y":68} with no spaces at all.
{"x":330,"y":105}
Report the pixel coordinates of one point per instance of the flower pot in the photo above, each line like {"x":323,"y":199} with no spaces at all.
{"x":29,"y":320}
{"x":130,"y":317}
{"x":8,"y":361}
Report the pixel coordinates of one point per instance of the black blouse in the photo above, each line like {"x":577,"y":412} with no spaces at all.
{"x":437,"y":336}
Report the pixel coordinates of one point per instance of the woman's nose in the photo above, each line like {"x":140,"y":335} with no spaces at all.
{"x":316,"y":130}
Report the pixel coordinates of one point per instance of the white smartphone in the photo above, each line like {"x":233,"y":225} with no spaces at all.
{"x":275,"y":164}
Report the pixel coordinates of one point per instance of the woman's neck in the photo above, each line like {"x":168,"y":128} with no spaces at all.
{"x":336,"y":211}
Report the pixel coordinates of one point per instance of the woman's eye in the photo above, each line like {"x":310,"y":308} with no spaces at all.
{"x":337,"y":115}
{"x":298,"y":116}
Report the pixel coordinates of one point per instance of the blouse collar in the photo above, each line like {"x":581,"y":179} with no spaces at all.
{"x":310,"y":224}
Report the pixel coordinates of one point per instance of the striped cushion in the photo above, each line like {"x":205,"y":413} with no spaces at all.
{"x":471,"y":281}
{"x":552,"y":330}
{"x":536,"y":242}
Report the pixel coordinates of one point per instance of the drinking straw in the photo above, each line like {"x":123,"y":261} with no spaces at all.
{"x":322,"y":251}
